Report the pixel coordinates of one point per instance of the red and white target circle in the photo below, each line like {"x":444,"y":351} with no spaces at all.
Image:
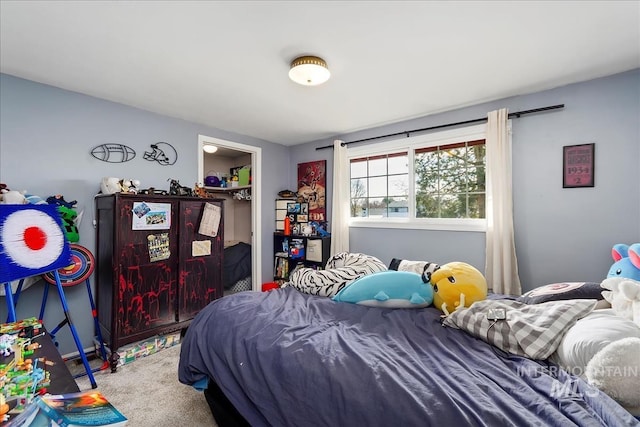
{"x":81,"y":267}
{"x":36,"y":240}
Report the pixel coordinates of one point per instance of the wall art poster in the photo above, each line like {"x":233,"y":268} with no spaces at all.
{"x":578,"y":164}
{"x":311,"y":188}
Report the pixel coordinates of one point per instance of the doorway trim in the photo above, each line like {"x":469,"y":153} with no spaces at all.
{"x":256,"y":191}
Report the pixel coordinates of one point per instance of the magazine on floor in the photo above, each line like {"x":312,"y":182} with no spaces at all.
{"x":81,"y":409}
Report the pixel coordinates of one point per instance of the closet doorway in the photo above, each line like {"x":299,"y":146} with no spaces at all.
{"x":242,"y":202}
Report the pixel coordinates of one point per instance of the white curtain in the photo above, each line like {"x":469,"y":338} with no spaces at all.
{"x":501,"y":269}
{"x":340,"y":200}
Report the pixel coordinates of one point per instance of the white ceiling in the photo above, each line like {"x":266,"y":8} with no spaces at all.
{"x":225,"y":64}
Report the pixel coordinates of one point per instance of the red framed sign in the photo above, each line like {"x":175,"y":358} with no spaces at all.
{"x":578,"y":165}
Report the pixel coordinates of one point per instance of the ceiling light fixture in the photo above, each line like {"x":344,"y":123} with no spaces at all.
{"x":309,"y":71}
{"x":209,"y":148}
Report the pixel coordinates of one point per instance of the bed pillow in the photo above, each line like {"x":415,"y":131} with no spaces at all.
{"x":533,"y":331}
{"x":562,"y":291}
{"x":590,"y":335}
{"x":341,"y":270}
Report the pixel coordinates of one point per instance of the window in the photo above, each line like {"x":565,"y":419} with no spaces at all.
{"x":450,"y":180}
{"x":433,"y":181}
{"x":380,"y":186}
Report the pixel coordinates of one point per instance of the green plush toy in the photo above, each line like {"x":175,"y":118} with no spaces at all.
{"x":69,"y":221}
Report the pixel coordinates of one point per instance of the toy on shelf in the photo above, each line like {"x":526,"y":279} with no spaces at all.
{"x":14,"y":197}
{"x":59,"y":200}
{"x":35,"y":199}
{"x":111,"y":185}
{"x":320,"y":229}
{"x":175,"y":189}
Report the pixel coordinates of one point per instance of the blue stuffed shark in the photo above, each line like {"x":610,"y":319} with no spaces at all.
{"x":390,"y":289}
{"x":627,"y":261}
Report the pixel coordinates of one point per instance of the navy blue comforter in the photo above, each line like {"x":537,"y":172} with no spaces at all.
{"x":284,"y":358}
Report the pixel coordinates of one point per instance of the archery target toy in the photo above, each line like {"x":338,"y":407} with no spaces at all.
{"x":80,"y":269}
{"x":32,"y":241}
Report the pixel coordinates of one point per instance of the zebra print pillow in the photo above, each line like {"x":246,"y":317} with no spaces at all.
{"x":340,"y":270}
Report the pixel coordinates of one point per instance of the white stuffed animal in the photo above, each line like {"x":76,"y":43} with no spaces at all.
{"x":13,"y":197}
{"x":624,"y":296}
{"x":615,"y":370}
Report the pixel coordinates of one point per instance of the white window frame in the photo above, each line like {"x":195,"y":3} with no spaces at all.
{"x":409,"y":144}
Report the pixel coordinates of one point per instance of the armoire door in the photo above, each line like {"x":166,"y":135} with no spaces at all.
{"x":147,"y":260}
{"x":200,"y":258}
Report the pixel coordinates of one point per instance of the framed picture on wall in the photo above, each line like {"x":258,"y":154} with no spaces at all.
{"x":311,"y":188}
{"x":578,"y":163}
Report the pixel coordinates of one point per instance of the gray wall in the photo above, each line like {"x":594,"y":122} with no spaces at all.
{"x":46,"y":135}
{"x":560,"y":234}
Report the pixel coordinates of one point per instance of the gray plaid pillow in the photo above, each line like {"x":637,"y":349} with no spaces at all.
{"x":533,"y":331}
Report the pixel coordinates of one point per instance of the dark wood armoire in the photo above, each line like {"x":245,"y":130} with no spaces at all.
{"x":154,"y":269}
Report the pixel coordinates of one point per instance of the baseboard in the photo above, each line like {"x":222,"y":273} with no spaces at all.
{"x":76,"y":354}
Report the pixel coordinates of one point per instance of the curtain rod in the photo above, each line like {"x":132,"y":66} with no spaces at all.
{"x":516,"y":114}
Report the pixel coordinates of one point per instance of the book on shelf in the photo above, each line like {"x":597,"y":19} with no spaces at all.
{"x":296,"y":249}
{"x":281,"y":267}
{"x":81,"y":409}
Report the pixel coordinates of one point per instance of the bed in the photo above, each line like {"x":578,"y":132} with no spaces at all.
{"x":287,"y":358}
{"x":236,"y":268}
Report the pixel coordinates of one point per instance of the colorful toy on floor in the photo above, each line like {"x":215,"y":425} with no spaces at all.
{"x":457,"y":285}
{"x":4,"y":408}
{"x":6,"y":344}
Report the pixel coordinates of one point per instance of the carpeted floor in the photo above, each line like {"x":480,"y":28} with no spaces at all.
{"x":148,"y":393}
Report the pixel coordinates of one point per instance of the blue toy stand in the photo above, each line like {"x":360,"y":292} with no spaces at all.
{"x":94,"y":313}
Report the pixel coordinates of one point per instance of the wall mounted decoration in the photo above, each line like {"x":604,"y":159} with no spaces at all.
{"x":311,"y":188}
{"x":163,"y":153}
{"x":578,"y":163}
{"x":113,"y":153}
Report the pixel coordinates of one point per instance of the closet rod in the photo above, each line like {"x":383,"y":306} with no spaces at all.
{"x":516,"y":114}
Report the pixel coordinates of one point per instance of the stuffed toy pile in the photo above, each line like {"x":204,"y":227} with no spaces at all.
{"x":614,"y":369}
{"x":456,"y":285}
